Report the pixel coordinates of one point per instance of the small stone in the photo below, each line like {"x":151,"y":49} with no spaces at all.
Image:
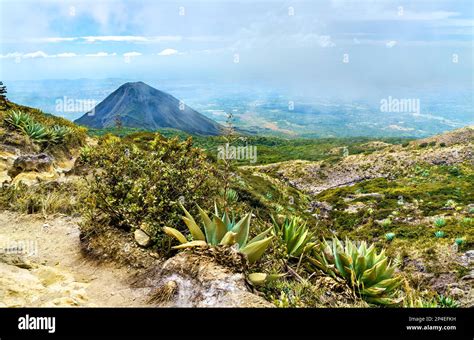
{"x":142,"y":238}
{"x":456,"y":293}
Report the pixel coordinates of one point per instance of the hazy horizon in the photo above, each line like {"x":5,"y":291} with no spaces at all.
{"x":257,"y":58}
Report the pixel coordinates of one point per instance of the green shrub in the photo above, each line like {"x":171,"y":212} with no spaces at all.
{"x":439,"y":234}
{"x":134,"y":187}
{"x":386,"y":223}
{"x":369,"y":274}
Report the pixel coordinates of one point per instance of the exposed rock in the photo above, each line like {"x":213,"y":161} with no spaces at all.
{"x":190,"y":280}
{"x":456,"y":293}
{"x":6,"y":160}
{"x":11,"y":140}
{"x":25,"y":284}
{"x":39,"y":163}
{"x":4,"y":178}
{"x":322,"y":209}
{"x":467,"y":258}
{"x":354,"y":208}
{"x":142,"y":238}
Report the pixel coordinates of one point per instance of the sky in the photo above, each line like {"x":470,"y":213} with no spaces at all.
{"x":348,"y":48}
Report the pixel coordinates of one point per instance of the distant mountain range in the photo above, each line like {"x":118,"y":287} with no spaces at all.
{"x":139,"y":105}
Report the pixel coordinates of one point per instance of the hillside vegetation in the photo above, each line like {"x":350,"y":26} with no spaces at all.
{"x":315,"y":223}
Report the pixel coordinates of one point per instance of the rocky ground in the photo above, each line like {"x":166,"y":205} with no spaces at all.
{"x":41,"y":264}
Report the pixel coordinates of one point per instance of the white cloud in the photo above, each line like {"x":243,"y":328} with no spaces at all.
{"x":38,"y":54}
{"x":131,"y":38}
{"x":168,"y":51}
{"x":66,"y":55}
{"x":391,"y":43}
{"x":34,"y":55}
{"x":117,"y":38}
{"x":53,"y":39}
{"x":10,"y":55}
{"x":101,"y":54}
{"x":131,"y":54}
{"x":325,"y":41}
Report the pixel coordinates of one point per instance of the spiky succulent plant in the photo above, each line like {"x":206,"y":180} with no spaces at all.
{"x":17,"y":119}
{"x":36,"y":131}
{"x":447,"y":302}
{"x":389,"y":236}
{"x":294,"y":234}
{"x":224,"y":231}
{"x":39,"y":133}
{"x":232,"y":196}
{"x":439,"y":234}
{"x":369,"y":274}
{"x":440,"y":222}
{"x":58,"y":133}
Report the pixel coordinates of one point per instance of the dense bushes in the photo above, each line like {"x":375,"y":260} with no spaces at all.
{"x":142,"y":187}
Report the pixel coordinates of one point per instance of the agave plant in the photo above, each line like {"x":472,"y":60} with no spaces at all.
{"x":224,"y":231}
{"x":389,"y":236}
{"x":439,"y":234}
{"x":36,"y":131}
{"x":440,"y":222}
{"x":294,"y":233}
{"x":447,"y":302}
{"x":17,"y":119}
{"x":58,"y":133}
{"x":369,"y":274}
{"x":232,"y":196}
{"x":386,"y":222}
{"x":459,"y":241}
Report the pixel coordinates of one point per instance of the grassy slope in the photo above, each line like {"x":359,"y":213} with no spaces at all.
{"x":269,"y":149}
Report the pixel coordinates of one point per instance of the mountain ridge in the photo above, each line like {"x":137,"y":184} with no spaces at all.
{"x":139,"y":105}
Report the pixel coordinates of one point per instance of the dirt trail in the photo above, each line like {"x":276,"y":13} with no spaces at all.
{"x":53,"y":272}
